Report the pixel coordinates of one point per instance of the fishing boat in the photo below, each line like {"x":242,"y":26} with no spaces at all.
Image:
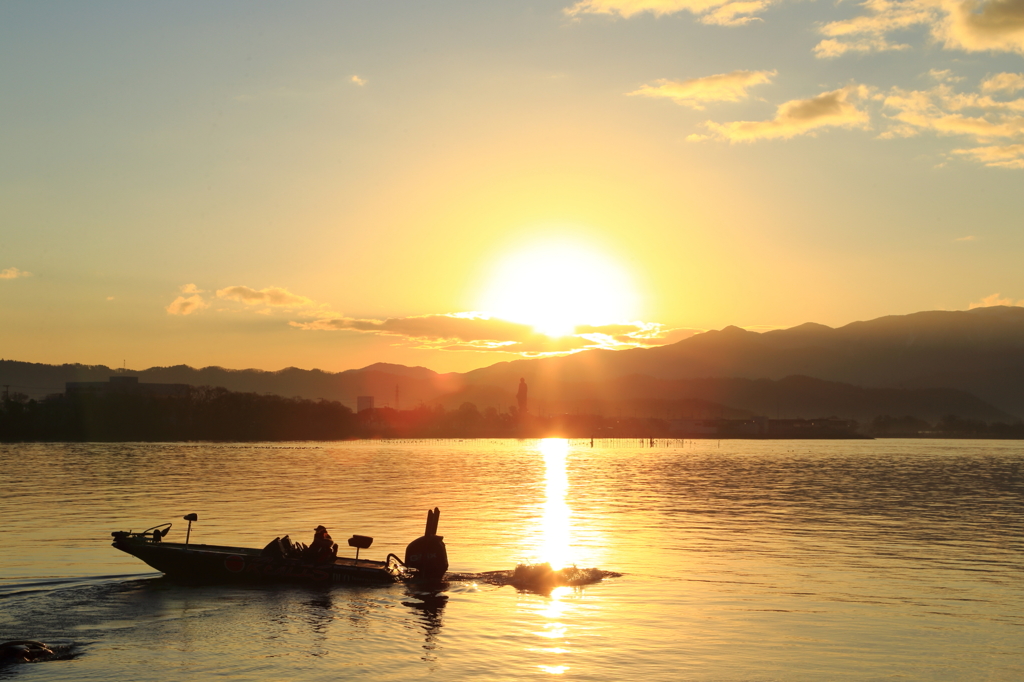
{"x":426,"y":559}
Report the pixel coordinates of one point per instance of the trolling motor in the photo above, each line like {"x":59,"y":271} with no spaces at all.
{"x":427,"y":554}
{"x":190,"y":518}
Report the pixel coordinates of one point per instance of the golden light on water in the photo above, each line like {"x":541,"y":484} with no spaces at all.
{"x":554,"y":547}
{"x":554,"y":669}
{"x":556,"y":531}
{"x":554,"y":629}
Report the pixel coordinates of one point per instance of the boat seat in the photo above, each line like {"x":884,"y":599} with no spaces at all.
{"x":275,"y":549}
{"x":291,"y":549}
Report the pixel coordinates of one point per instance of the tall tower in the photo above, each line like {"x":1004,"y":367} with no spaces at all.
{"x":521,"y":397}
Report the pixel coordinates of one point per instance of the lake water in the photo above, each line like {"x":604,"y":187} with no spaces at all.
{"x":741,"y":560}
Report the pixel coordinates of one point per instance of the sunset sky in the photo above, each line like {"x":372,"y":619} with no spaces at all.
{"x":451,"y":184}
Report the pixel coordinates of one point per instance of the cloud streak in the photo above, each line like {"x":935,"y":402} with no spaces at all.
{"x":967,"y":25}
{"x":266,"y":301}
{"x":1003,"y":82}
{"x":992,"y":26}
{"x":465,"y":331}
{"x":474,"y":331}
{"x":14,"y":273}
{"x":799,"y":117}
{"x":993,"y":300}
{"x":696,"y":92}
{"x":717,"y":12}
{"x":997,"y":156}
{"x":996,"y":124}
{"x":271,"y":296}
{"x":190,"y":301}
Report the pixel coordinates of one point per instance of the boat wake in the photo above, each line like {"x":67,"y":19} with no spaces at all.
{"x":31,"y":651}
{"x":538,"y":578}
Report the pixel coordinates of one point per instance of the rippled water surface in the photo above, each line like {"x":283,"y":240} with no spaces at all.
{"x":744,"y":560}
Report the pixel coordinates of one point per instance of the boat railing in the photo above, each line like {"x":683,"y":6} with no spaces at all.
{"x":154,"y":534}
{"x":395,"y":566}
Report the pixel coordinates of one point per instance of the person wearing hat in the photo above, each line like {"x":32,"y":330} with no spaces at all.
{"x":323,"y":549}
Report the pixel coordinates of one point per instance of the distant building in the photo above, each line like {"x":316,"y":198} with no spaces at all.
{"x":810,"y":428}
{"x":696,"y":427}
{"x":122,"y":384}
{"x":521,"y":398}
{"x":762,"y":427}
{"x":364,"y":402}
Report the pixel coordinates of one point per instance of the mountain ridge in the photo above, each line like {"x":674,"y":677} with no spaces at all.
{"x":977,"y":353}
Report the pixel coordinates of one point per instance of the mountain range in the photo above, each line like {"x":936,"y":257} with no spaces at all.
{"x":928,"y":364}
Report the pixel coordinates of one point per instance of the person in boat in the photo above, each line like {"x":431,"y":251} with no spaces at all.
{"x":323,"y":549}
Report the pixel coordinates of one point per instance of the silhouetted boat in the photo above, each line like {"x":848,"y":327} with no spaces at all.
{"x":426,"y":559}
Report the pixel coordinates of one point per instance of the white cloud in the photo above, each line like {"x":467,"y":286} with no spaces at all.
{"x":357,"y":80}
{"x":1003,"y":82}
{"x":983,"y":26}
{"x":474,"y":331}
{"x":695,"y":92}
{"x":831,"y":48}
{"x":270,"y":296}
{"x":13,"y":273}
{"x":867,"y":32}
{"x":984,"y":118}
{"x":266,"y":301}
{"x":997,"y":156}
{"x":968,"y":25}
{"x":719,"y":12}
{"x":735,"y":13}
{"x":968,"y":238}
{"x":944,"y":76}
{"x":186,"y":305}
{"x":993,"y":300}
{"x":800,"y":117}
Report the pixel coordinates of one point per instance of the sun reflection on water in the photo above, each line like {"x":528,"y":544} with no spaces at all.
{"x":556,"y":539}
{"x":556,"y":535}
{"x":553,"y":669}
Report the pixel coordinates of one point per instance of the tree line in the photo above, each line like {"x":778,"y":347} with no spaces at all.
{"x":201,"y":413}
{"x":950,"y":426}
{"x":217,"y":414}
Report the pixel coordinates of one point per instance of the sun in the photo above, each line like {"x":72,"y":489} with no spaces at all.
{"x":557,"y":286}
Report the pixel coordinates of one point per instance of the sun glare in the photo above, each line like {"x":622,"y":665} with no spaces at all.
{"x":556,"y":287}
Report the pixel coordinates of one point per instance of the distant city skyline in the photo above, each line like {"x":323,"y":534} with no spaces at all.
{"x":329,"y":185}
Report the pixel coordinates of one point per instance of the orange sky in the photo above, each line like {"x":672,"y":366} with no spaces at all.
{"x":331,"y":185}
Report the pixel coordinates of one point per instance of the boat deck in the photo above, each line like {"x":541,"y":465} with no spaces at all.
{"x":347,"y":562}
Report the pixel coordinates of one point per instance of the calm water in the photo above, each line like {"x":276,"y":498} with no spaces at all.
{"x":771,"y":560}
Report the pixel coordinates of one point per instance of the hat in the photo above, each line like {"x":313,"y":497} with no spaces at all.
{"x":319,"y":528}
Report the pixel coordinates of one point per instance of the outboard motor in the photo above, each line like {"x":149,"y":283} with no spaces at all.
{"x":428,"y":554}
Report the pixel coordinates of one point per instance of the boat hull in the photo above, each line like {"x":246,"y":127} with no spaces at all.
{"x":215,"y":563}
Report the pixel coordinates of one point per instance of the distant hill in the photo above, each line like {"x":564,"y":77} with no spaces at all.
{"x":415,"y":384}
{"x":979,"y":351}
{"x":926,"y":365}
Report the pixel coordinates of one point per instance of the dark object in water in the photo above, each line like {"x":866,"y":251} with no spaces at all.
{"x":23,"y":651}
{"x":542,"y":579}
{"x":427,"y":554}
{"x":280,"y":561}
